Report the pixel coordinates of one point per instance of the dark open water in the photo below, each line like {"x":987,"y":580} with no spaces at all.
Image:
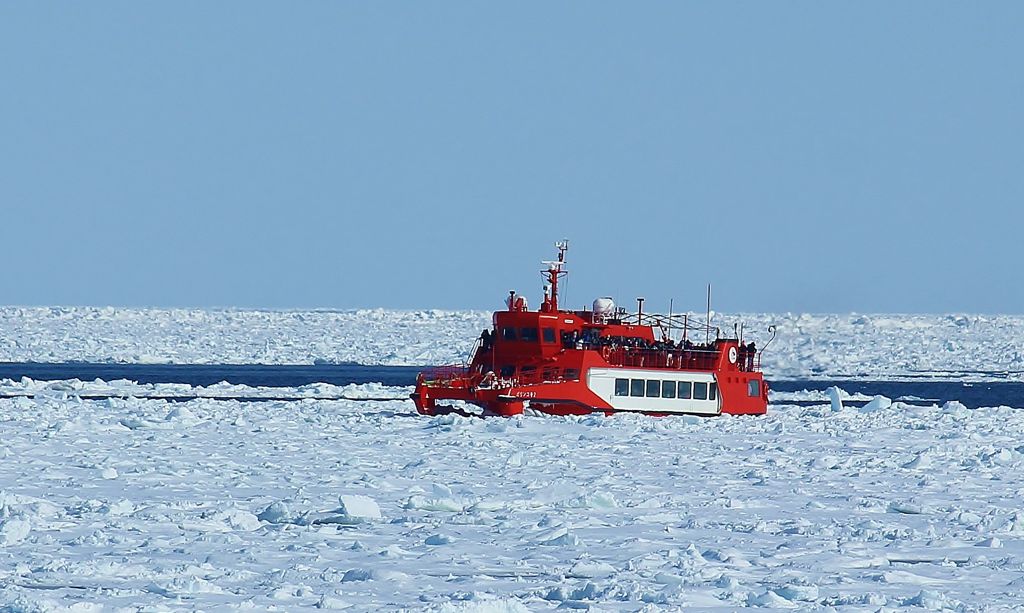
{"x":972,"y":395}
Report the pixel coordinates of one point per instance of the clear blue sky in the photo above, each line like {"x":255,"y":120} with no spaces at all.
{"x":801,"y":156}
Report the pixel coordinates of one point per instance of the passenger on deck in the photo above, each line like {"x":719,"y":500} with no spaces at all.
{"x":488,"y":380}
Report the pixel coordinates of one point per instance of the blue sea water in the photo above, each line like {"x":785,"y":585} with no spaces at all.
{"x":973,"y":395}
{"x":268,"y":375}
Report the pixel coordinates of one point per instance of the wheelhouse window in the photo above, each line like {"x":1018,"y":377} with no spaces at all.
{"x":528,"y":335}
{"x":713,"y":391}
{"x":653,"y":388}
{"x":508,"y":371}
{"x":753,"y":388}
{"x":548,"y":335}
{"x":700,"y":390}
{"x":509,"y":334}
{"x":636,"y":387}
{"x":685,"y":390}
{"x":668,"y":389}
{"x":622,"y":387}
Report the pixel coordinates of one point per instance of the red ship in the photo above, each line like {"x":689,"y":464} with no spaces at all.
{"x":602,"y":360}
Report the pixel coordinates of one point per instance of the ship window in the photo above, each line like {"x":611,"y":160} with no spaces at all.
{"x":713,"y":391}
{"x":528,"y":335}
{"x":685,"y":390}
{"x":528,"y":372}
{"x":509,"y":334}
{"x":668,"y":389}
{"x":622,"y":387}
{"x":550,"y":373}
{"x":572,"y":374}
{"x":700,"y":390}
{"x":636,"y":387}
{"x":549,"y":335}
{"x":753,"y":389}
{"x":654,"y":388}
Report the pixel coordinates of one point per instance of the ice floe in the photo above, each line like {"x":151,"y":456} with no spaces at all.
{"x":339,"y":504}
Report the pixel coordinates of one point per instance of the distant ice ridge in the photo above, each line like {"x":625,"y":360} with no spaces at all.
{"x":198,"y":336}
{"x":850,"y":345}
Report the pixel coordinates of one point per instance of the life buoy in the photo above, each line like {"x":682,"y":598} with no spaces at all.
{"x":733,"y":354}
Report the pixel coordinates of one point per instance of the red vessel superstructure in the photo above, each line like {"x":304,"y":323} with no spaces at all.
{"x":601,"y":360}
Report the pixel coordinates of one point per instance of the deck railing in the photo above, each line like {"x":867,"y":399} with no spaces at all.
{"x":447,"y":375}
{"x":624,"y":357}
{"x":677,"y":359}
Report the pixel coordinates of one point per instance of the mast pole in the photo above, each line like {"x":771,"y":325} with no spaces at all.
{"x":555,"y":271}
{"x":669,"y":319}
{"x":707,"y":336}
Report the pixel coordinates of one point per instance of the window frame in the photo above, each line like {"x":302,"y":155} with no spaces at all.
{"x":650,"y":386}
{"x":697,"y":387}
{"x":621,"y":387}
{"x":637,"y":387}
{"x":528,"y":334}
{"x":689,"y":390}
{"x":548,"y":336}
{"x":665,"y":386}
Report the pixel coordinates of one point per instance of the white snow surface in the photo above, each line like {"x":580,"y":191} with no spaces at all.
{"x":850,"y":345}
{"x":129,"y":504}
{"x":133,"y":504}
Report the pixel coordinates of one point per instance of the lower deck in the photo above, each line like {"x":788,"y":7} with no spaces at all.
{"x":656,"y":390}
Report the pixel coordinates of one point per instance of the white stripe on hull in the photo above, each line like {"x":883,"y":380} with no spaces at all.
{"x":601,"y":381}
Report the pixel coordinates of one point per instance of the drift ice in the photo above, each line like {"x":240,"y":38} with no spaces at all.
{"x":602,"y":360}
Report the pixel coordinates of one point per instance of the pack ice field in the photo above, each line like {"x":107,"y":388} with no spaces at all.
{"x":830,"y":501}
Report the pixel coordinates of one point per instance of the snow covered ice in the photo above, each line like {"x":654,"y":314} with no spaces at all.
{"x":336,"y":504}
{"x":132,"y":504}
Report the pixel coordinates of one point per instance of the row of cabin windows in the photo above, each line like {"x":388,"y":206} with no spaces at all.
{"x":548,"y":373}
{"x":656,"y":388}
{"x":527,"y":335}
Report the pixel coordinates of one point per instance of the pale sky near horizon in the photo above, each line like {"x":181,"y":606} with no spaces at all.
{"x":799,"y":156}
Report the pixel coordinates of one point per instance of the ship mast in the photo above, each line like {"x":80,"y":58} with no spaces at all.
{"x":554,"y":272}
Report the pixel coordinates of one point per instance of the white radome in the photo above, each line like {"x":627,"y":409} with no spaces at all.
{"x":604,"y":306}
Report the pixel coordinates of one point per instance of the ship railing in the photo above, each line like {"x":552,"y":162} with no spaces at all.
{"x":529,"y":375}
{"x":748,"y":361}
{"x":681,"y":359}
{"x":444,"y":375}
{"x":677,"y":359}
